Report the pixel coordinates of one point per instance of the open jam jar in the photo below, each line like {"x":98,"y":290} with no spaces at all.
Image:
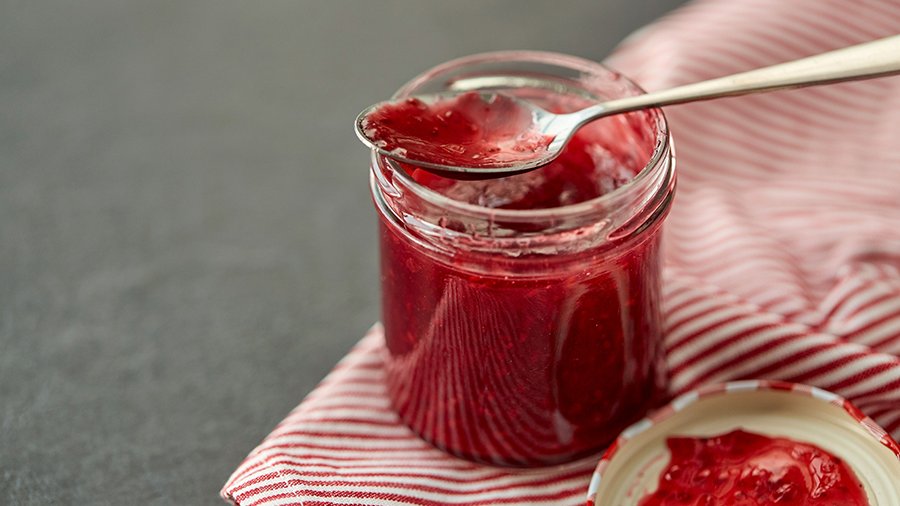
{"x":522,"y":314}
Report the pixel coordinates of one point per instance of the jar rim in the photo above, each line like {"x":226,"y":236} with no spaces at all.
{"x":661,"y":147}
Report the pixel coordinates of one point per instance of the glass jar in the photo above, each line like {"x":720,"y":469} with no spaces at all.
{"x":526,"y":336}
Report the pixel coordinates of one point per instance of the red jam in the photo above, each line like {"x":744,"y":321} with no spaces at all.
{"x":599,"y":158}
{"x":745,"y":469}
{"x":462,"y":131}
{"x":526,"y":341}
{"x":521,"y":371}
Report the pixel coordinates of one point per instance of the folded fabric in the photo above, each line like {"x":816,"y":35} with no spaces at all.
{"x":782,"y":254}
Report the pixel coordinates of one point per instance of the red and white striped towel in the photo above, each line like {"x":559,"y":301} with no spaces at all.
{"x":783,"y":253}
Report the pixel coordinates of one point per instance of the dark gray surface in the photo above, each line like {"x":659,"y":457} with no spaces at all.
{"x":186,"y":239}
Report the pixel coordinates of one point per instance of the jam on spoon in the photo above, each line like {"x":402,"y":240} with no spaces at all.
{"x":742,"y":468}
{"x":467,"y":130}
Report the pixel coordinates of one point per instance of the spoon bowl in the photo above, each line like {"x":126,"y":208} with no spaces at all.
{"x":509,"y":122}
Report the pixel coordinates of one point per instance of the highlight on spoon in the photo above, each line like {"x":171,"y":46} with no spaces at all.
{"x":477,"y":133}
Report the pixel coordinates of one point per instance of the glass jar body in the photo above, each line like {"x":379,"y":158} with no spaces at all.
{"x":523,"y":337}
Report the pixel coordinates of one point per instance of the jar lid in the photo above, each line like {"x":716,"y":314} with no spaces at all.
{"x":630,"y":469}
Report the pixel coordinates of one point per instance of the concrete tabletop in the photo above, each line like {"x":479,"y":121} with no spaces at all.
{"x":187,"y":243}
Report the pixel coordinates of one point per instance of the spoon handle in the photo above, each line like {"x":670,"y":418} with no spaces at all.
{"x":872,"y":59}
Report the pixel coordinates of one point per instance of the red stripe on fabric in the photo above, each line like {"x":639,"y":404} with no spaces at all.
{"x":381,"y":452}
{"x":892,"y":387}
{"x":318,"y":408}
{"x":888,"y":344}
{"x":893,"y":312}
{"x":375,"y":365}
{"x":720,"y":345}
{"x":274,"y":458}
{"x":700,"y":297}
{"x":684,"y":341}
{"x":354,"y":421}
{"x":525,"y":498}
{"x":349,"y":435}
{"x":675,"y":322}
{"x":421,"y":461}
{"x":399,"y":484}
{"x":826,"y":368}
{"x":435,"y":476}
{"x":872,"y":300}
{"x":344,"y":381}
{"x":749,"y":354}
{"x":765,"y":371}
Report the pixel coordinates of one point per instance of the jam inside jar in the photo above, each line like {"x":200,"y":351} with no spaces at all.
{"x":522,"y":315}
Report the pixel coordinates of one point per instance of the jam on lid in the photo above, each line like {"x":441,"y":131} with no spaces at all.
{"x":750,"y":469}
{"x":811,"y":446}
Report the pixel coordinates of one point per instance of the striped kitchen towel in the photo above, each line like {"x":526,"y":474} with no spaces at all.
{"x":782,"y":251}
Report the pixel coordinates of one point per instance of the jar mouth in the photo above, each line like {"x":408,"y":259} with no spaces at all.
{"x":661,"y":148}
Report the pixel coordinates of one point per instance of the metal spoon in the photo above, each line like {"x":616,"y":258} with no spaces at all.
{"x":863,"y":61}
